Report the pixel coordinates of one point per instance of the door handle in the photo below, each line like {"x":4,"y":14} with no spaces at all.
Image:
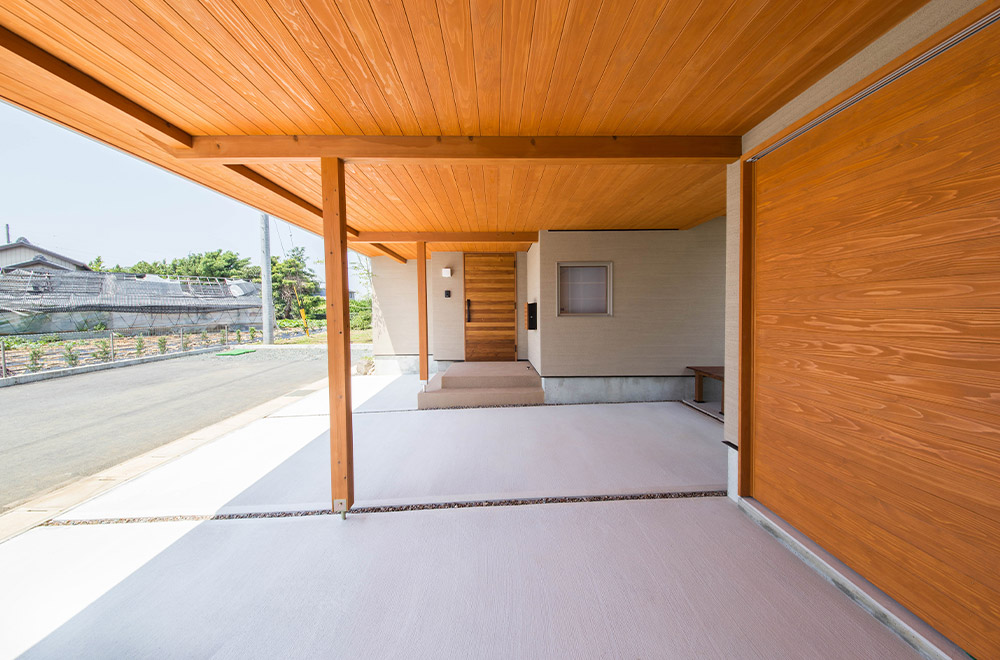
{"x":468,"y":311}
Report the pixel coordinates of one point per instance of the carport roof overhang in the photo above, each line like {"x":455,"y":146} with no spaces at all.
{"x":213,"y":90}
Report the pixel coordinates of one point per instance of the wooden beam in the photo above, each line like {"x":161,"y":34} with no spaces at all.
{"x":389,"y":253}
{"x":446,"y":237}
{"x":459,"y":150}
{"x":156,"y":128}
{"x":338,"y":324}
{"x":422,"y":307}
{"x":284,"y":193}
{"x":262,"y":181}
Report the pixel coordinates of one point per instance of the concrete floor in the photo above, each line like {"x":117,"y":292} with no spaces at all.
{"x":56,"y":431}
{"x":691,"y":578}
{"x":648,"y":579}
{"x":279,"y":463}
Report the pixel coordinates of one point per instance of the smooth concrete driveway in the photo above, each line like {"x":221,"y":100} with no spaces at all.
{"x":56,"y":431}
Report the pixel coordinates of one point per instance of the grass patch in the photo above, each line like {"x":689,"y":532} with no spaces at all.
{"x":357,"y":337}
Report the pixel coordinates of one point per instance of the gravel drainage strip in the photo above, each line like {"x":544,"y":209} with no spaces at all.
{"x":389,"y":509}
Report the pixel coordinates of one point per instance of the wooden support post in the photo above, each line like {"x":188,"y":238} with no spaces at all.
{"x":422,"y":306}
{"x":338,"y":334}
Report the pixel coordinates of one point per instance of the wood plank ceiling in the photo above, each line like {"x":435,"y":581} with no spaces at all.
{"x":446,"y":67}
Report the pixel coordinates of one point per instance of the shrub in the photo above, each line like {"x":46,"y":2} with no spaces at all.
{"x":361,"y":314}
{"x":185,"y":342}
{"x":239,"y":336}
{"x":102,"y":351}
{"x":140,"y":345}
{"x":204,"y":337}
{"x":34,"y":357}
{"x":161,"y":345}
{"x":71,"y":357}
{"x":253,"y":333}
{"x":100,"y":326}
{"x":48,"y":339}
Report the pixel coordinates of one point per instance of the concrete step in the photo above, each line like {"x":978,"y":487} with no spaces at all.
{"x":434,"y":396}
{"x":478,"y":375}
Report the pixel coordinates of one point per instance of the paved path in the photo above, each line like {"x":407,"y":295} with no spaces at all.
{"x":56,"y":431}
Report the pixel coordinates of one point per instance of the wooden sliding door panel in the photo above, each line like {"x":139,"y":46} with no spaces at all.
{"x":491,"y":307}
{"x":874,"y":419}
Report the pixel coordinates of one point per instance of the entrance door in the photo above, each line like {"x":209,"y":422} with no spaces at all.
{"x":490,"y":307}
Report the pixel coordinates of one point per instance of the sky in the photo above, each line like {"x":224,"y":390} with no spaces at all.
{"x":77,"y":197}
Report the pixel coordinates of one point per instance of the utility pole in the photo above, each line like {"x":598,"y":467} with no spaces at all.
{"x":265,"y":278}
{"x":8,"y":233}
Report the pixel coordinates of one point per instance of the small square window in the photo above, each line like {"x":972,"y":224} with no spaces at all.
{"x":585,"y":289}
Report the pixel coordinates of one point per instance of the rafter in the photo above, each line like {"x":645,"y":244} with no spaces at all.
{"x":481,"y":150}
{"x":377,"y":237}
{"x":156,"y":128}
{"x":389,"y":253}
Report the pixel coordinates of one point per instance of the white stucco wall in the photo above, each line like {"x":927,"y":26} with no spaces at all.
{"x":394,"y":308}
{"x":448,"y":322}
{"x":522,"y":296}
{"x":533,"y":285}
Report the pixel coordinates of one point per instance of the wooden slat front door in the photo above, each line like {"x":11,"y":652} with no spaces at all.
{"x":490,"y":308}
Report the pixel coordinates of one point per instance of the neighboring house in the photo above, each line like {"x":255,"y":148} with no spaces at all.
{"x":321,"y":292}
{"x":24,"y":255}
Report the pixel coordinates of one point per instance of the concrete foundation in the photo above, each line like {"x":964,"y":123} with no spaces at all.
{"x":400,"y":365}
{"x":733,"y":474}
{"x":622,"y":389}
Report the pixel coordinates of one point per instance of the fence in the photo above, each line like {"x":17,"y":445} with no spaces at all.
{"x":20,"y":354}
{"x":45,"y":302}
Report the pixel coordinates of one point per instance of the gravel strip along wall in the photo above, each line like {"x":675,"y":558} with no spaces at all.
{"x":390,"y":509}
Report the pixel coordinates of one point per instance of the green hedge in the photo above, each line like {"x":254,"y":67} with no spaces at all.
{"x":361,"y":314}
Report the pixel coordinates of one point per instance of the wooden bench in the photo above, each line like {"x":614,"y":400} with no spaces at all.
{"x":700,"y":373}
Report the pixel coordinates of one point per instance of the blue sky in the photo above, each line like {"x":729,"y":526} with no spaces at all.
{"x":77,"y":197}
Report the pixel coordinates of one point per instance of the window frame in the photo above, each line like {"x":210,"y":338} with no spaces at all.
{"x":607,"y":265}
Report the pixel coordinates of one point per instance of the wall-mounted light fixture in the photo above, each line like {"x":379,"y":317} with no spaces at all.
{"x":446,"y":272}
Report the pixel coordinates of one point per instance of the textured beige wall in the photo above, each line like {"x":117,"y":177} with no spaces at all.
{"x":732,"y":408}
{"x":533,"y":294}
{"x":934,"y":16}
{"x":448,"y":325}
{"x":668,"y":303}
{"x":394,"y":307}
{"x":522,"y":296}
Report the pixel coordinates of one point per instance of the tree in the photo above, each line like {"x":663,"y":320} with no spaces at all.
{"x":362,"y":267}
{"x":293,"y":275}
{"x":224,"y":264}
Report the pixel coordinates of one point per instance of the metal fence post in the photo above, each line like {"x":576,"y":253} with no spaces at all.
{"x":111,"y":335}
{"x":3,"y":358}
{"x":182,"y":340}
{"x":225,"y":335}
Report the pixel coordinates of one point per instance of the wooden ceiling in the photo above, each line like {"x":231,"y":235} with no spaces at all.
{"x":444,"y":67}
